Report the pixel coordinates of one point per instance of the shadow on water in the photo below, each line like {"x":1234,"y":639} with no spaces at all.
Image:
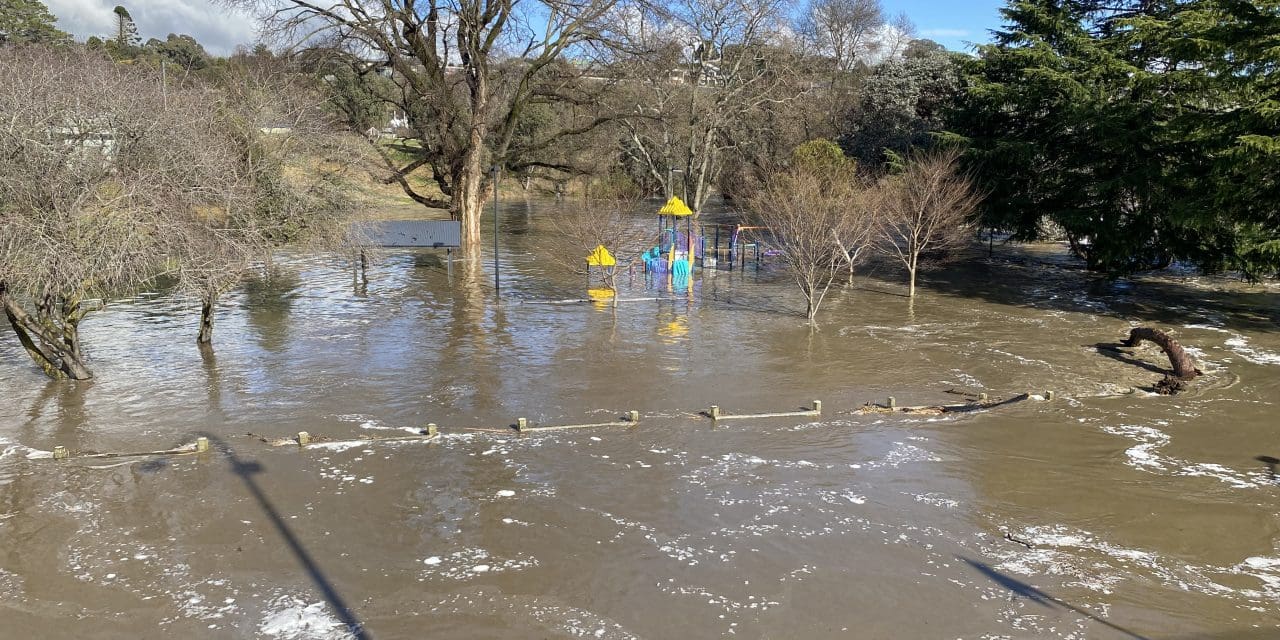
{"x":1113,"y":350}
{"x":1271,"y":462}
{"x":246,"y":470}
{"x":268,"y":301}
{"x":1041,"y":598}
{"x":1164,"y":298}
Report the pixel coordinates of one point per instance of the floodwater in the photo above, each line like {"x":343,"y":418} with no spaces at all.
{"x":1101,"y":514}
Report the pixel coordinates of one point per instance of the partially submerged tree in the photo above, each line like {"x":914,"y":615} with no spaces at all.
{"x":1145,"y":130}
{"x":1183,"y":367}
{"x":808,"y":211}
{"x":98,"y":183}
{"x":466,"y":69}
{"x":857,"y":232}
{"x":109,"y":182}
{"x":293,"y":168}
{"x":611,"y":220}
{"x":926,"y":210}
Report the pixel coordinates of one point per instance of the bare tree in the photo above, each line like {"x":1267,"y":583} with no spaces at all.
{"x":927,"y":209}
{"x":861,"y":205}
{"x":610,"y":220}
{"x":111,"y":180}
{"x":810,"y":213}
{"x":466,"y":71}
{"x":842,"y":30}
{"x":99,"y":182}
{"x":722,"y":65}
{"x":294,"y":163}
{"x":891,"y":40}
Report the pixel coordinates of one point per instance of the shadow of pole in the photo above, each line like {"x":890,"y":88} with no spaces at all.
{"x":1041,"y":598}
{"x":1271,"y":463}
{"x":246,"y":469}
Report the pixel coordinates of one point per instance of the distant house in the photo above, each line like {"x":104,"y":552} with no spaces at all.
{"x":86,"y":135}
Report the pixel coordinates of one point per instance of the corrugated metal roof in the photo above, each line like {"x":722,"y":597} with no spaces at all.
{"x":439,"y":234}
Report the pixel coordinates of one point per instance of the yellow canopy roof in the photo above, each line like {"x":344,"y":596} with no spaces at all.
{"x":675,"y":207}
{"x":601,"y":258}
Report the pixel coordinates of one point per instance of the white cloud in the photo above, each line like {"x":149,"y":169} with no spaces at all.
{"x":945,"y":33}
{"x":215,"y":26}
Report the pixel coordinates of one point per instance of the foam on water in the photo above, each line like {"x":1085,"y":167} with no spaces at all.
{"x":1240,"y":346}
{"x":291,"y":618}
{"x":1147,"y":456}
{"x":469,"y":563}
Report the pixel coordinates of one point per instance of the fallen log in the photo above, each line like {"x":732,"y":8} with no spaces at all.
{"x":1183,"y":368}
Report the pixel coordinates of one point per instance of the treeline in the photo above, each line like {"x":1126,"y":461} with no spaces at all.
{"x":1142,"y":132}
{"x":691,"y":97}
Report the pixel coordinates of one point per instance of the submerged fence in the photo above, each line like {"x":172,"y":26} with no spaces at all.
{"x":431,"y":432}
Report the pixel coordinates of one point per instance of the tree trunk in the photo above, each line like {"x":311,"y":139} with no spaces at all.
{"x":55,"y":349}
{"x":1183,"y":368}
{"x":468,"y":199}
{"x":911,"y":289}
{"x":468,"y":204}
{"x":206,"y":318}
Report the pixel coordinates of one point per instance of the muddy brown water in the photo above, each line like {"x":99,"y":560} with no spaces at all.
{"x":1130,"y":515}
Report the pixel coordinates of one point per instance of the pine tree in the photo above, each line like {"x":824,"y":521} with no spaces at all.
{"x":1147,"y":129}
{"x":126,"y":31}
{"x":27,"y":22}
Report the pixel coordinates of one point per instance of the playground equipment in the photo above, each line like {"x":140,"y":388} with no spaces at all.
{"x":676,"y":251}
{"x":712,"y":246}
{"x":742,"y":241}
{"x":601,"y":258}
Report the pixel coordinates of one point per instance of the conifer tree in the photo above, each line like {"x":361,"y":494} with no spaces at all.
{"x":1146,"y":129}
{"x":29,"y":22}
{"x":126,"y":31}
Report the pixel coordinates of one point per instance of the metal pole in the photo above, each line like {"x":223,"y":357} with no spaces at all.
{"x":497,"y":283}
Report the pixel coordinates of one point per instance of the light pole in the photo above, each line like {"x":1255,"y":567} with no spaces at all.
{"x":671,"y":173}
{"x":497,"y":284}
{"x":671,"y":176}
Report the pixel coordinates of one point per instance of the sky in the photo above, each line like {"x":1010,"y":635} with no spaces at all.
{"x":212,"y":24}
{"x":953,"y":23}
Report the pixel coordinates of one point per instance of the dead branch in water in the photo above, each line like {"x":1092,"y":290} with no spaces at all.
{"x":1182,"y":366}
{"x":1184,"y":370}
{"x":937,"y":410}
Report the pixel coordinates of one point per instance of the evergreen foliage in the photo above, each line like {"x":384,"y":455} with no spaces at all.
{"x":29,"y":22}
{"x":126,"y":36}
{"x":901,"y":105}
{"x":1149,"y":130}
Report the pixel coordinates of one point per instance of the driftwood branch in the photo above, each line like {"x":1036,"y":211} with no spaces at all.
{"x":1183,"y":368}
